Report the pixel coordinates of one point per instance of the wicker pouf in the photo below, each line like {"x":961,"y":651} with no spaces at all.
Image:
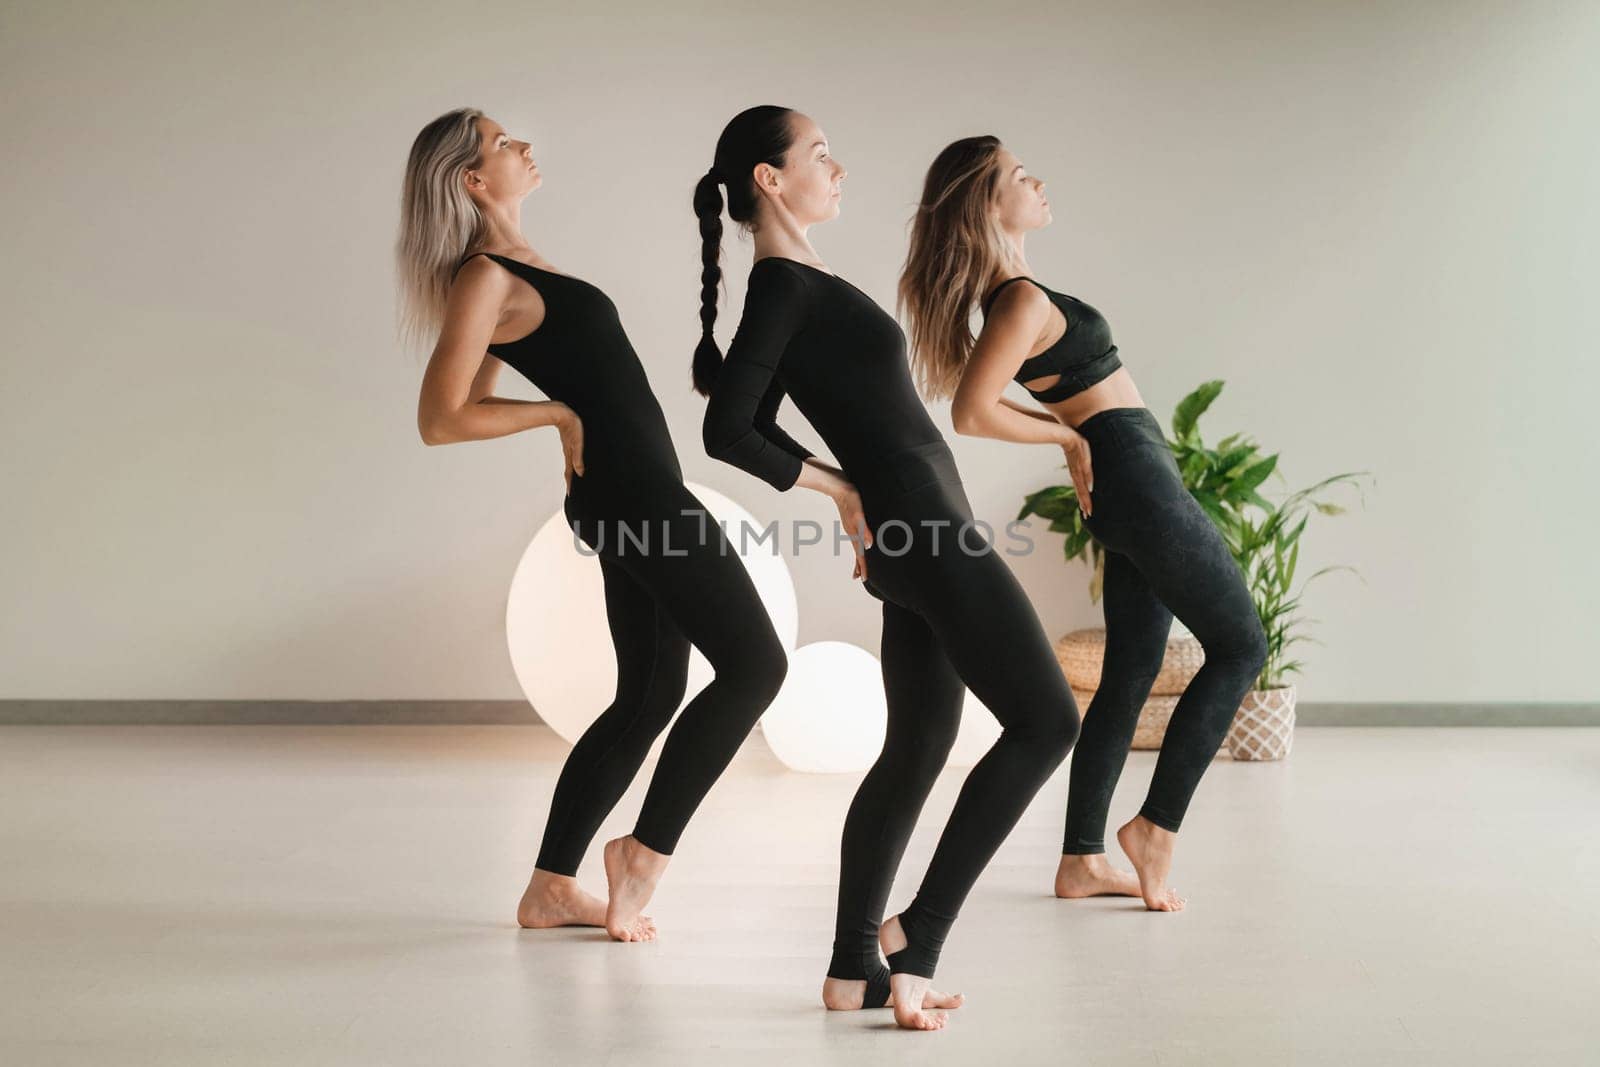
{"x":1152,"y":717}
{"x":1081,"y":653}
{"x":1264,"y":726}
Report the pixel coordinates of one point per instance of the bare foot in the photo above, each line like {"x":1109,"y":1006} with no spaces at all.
{"x":841,"y":994}
{"x":1149,"y":849}
{"x":907,"y":989}
{"x":1093,"y":876}
{"x":632,"y":871}
{"x":558,"y":900}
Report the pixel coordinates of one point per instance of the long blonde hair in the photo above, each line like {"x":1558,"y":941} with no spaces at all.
{"x":956,"y":247}
{"x":438,"y":220}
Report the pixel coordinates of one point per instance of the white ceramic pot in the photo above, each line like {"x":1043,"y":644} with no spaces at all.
{"x":1264,"y":725}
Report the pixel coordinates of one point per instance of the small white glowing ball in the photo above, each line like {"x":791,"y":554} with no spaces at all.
{"x":979,"y":730}
{"x":830,"y":715}
{"x":556,"y":625}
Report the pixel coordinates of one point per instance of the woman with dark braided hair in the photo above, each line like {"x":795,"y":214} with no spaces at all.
{"x":671,"y":577}
{"x":954,"y":615}
{"x":1163,"y":555}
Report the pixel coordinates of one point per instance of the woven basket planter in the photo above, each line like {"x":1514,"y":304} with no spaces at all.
{"x":1264,"y":726}
{"x":1152,"y":717}
{"x":1081,"y":653}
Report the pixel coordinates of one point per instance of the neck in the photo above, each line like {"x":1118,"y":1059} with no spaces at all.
{"x":783,"y":236}
{"x":503,"y":226}
{"x":1013,"y":263}
{"x":1019,"y":261}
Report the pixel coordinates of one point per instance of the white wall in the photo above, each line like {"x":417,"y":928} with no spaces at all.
{"x":1377,"y":222}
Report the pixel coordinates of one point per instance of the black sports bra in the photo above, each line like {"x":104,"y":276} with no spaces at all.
{"x":1082,"y":356}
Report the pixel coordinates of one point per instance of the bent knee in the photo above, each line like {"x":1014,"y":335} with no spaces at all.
{"x":1053,"y":732}
{"x":927,"y":749}
{"x":1246,"y":648}
{"x":1258,"y":648}
{"x":757,"y":669}
{"x":671,"y":685}
{"x":1063,"y":732}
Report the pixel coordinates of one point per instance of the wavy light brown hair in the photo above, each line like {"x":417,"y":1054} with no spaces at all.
{"x":438,"y":220}
{"x":956,"y":247}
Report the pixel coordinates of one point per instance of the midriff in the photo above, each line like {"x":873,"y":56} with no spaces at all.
{"x":1115,"y":391}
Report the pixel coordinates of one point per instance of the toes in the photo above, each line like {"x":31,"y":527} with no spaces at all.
{"x":924,"y":1020}
{"x":1171,"y":901}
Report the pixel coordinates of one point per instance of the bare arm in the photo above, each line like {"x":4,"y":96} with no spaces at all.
{"x":1014,"y":324}
{"x":1034,"y":413}
{"x":483,"y":381}
{"x":979,"y":408}
{"x":456,"y":403}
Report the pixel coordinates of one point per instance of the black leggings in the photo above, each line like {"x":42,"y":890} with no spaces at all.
{"x":951,"y":620}
{"x":658,"y":603}
{"x":1163,"y":556}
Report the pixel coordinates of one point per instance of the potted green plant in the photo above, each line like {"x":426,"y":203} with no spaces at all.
{"x":1225,"y":479}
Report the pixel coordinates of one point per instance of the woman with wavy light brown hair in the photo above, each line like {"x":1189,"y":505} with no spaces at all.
{"x":1163,"y":555}
{"x":671,"y":577}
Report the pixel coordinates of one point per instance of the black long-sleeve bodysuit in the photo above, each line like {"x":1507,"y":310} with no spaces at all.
{"x":671,"y":580}
{"x":953,"y":613}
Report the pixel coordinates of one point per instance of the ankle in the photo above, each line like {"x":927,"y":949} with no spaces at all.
{"x":838,"y":994}
{"x":641,"y":857}
{"x":548,"y":883}
{"x":924,"y":936}
{"x":1155,"y":826}
{"x":1088,"y":861}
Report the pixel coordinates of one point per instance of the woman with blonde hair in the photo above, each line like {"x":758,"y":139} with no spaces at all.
{"x":1163,"y":555}
{"x":671,"y":577}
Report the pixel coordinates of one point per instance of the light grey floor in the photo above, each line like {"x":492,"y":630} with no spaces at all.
{"x":336,"y":895}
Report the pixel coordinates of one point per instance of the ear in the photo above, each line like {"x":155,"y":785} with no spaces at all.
{"x":766,"y":178}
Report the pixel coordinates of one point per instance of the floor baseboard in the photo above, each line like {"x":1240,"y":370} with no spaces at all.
{"x":1443,"y":714}
{"x":518,"y":712}
{"x":267,"y":712}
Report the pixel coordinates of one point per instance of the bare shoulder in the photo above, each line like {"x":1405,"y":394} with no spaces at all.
{"x":1020,"y":300}
{"x":481,"y":272}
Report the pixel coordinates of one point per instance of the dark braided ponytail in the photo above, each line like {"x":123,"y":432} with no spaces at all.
{"x":754,"y":136}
